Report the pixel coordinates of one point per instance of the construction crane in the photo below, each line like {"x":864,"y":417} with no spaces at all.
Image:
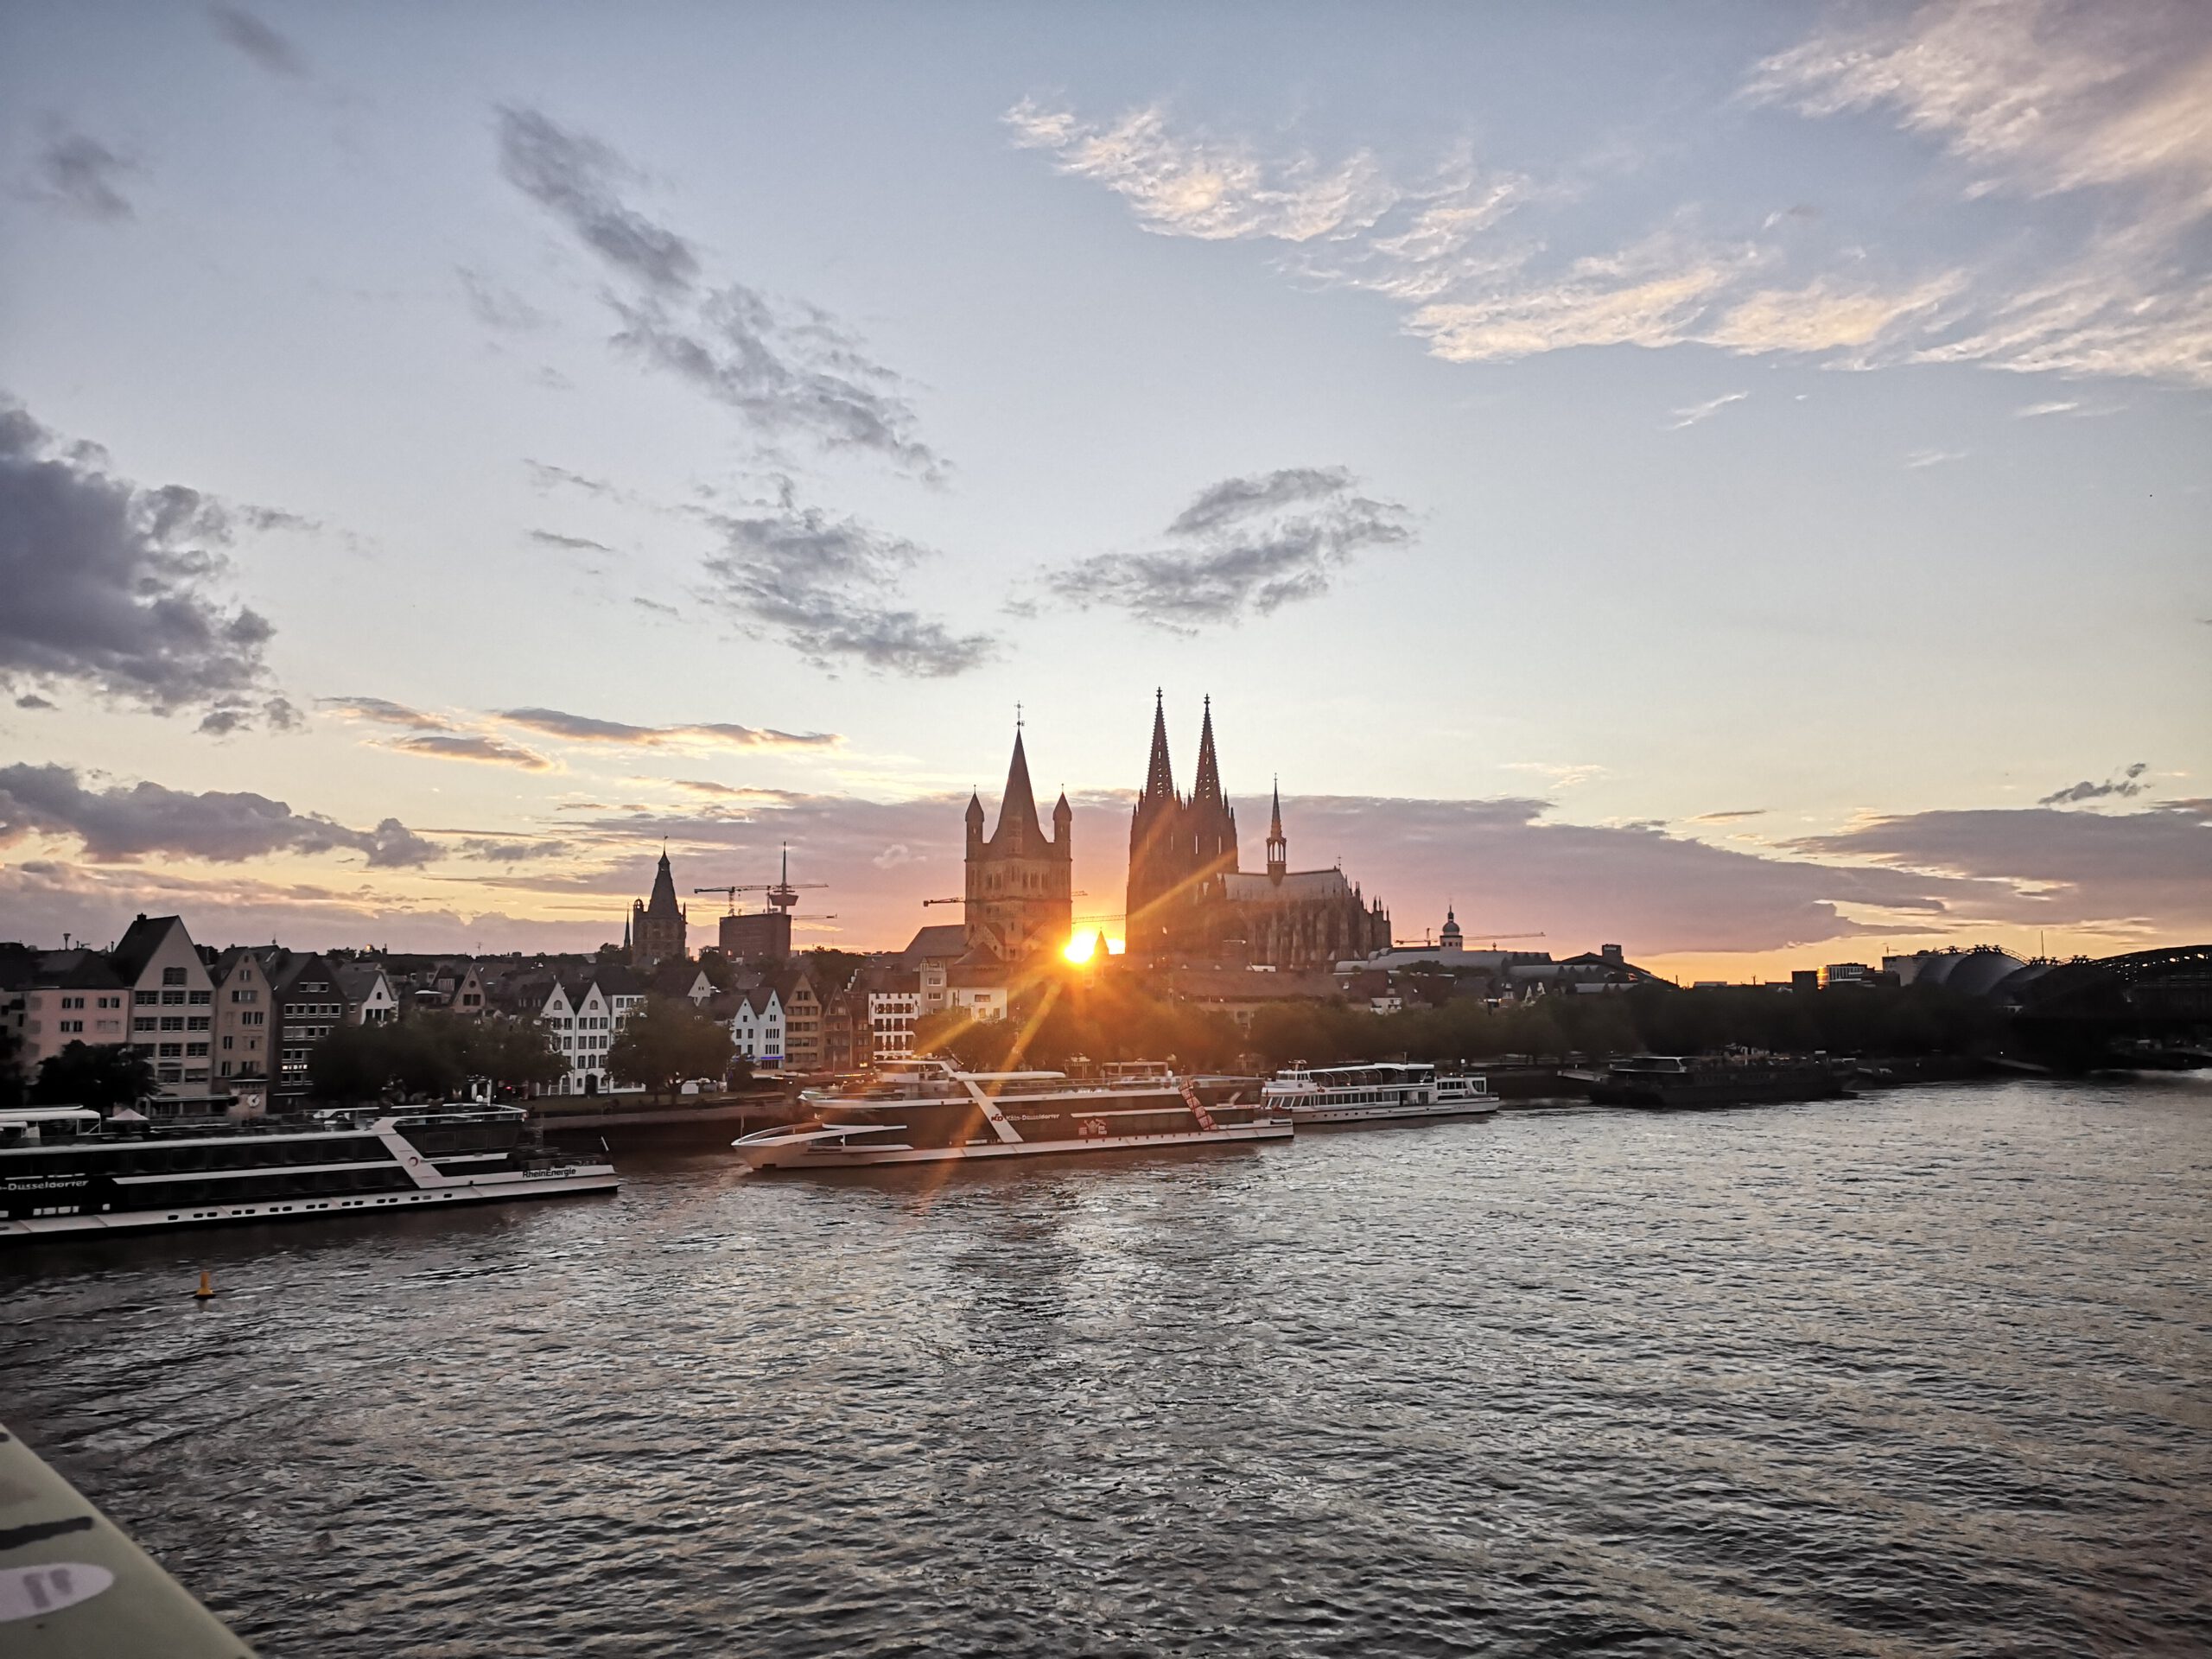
{"x":781,"y":895}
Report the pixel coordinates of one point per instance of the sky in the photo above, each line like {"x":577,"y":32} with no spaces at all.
{"x":1726,"y":479}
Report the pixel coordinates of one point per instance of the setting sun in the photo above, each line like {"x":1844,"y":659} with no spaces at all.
{"x":1080,"y":948}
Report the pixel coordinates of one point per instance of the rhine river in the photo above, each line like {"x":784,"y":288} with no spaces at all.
{"x":1928,"y":1372}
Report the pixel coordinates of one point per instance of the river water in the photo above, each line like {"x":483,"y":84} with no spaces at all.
{"x":1928,"y":1372}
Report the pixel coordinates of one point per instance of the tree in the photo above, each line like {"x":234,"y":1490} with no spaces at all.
{"x":14,"y":1087}
{"x":436,"y":1054}
{"x":667,"y":1039}
{"x":102,"y":1077}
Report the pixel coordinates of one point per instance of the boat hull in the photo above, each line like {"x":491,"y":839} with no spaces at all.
{"x":1680,"y":1096}
{"x":584,"y":1179}
{"x":797,"y":1151}
{"x":1320,"y":1116}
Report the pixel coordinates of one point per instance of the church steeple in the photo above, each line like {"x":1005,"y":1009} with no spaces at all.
{"x":1159,"y":775}
{"x":1278,"y":847}
{"x":1207,"y":790}
{"x":1019,"y":807}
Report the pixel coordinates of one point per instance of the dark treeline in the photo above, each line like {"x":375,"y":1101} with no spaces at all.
{"x":1117,"y":1022}
{"x":432,"y":1056}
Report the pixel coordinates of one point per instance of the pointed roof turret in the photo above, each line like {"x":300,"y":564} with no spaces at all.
{"x":1019,"y":806}
{"x":662,"y":904}
{"x":1160,"y":774}
{"x":1274,"y":823}
{"x":1061,"y":811}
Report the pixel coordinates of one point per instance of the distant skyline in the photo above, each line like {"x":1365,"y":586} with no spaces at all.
{"x":1732,"y":480}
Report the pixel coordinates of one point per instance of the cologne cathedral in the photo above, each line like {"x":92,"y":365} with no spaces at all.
{"x":1190,"y":902}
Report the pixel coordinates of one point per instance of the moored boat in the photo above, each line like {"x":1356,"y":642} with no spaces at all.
{"x":1378,"y":1092}
{"x":63,"y":1171}
{"x":1687,"y":1080}
{"x":929,"y":1111}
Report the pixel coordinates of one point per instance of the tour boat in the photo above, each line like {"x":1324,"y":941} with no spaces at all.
{"x":64,"y":1171}
{"x":1376,"y":1093}
{"x":928,"y":1111}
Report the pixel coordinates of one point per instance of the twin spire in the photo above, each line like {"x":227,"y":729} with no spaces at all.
{"x":1160,"y":772}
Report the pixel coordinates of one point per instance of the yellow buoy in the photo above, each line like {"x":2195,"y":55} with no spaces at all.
{"x":207,"y":1287}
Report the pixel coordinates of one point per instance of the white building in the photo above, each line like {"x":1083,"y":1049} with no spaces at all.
{"x":368,"y":994}
{"x":756,"y":1030}
{"x":584,"y":1015}
{"x":891,"y":1016}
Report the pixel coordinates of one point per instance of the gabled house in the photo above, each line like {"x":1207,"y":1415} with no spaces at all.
{"x":79,"y":998}
{"x":756,"y":1026}
{"x":172,"y":1008}
{"x":585,"y":1013}
{"x":245,"y":1032}
{"x":366,"y":991}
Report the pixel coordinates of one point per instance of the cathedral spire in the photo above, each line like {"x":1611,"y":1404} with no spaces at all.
{"x":1207,"y":789}
{"x":1160,"y":776}
{"x":1278,"y":847}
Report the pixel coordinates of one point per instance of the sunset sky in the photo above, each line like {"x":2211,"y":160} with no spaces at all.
{"x":1730,"y":479}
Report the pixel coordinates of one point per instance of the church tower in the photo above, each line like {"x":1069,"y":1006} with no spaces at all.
{"x":1278,"y":845}
{"x":1020,"y":892}
{"x":657,"y":927}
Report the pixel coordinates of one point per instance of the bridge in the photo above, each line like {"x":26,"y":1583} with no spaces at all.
{"x":2117,"y":1010}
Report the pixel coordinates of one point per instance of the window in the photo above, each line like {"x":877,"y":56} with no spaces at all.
{"x":246,"y":996}
{"x":196,"y":1051}
{"x":72,"y":1002}
{"x":172,"y":975}
{"x":197,"y":1022}
{"x":71,"y":1025}
{"x":111,"y":1001}
{"x":172,"y":999}
{"x":226,"y":1043}
{"x":144,"y":1022}
{"x":172,"y":1051}
{"x":172,"y":1022}
{"x":200,"y":999}
{"x":147,"y":999}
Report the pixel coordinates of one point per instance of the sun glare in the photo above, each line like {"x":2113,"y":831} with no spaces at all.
{"x":1080,"y":948}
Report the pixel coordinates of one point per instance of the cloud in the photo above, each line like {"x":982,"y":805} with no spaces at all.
{"x":80,"y":175}
{"x":2144,"y":871}
{"x":386,"y":712}
{"x":583,"y":728}
{"x":116,"y":587}
{"x":258,"y":42}
{"x":579,"y":180}
{"x":1181,"y":185}
{"x":820,"y":584}
{"x":508,"y":849}
{"x":497,"y":306}
{"x":1245,"y":546}
{"x":568,"y":543}
{"x":786,"y":369}
{"x":1730,"y":817}
{"x":1920,"y":459}
{"x":121,"y":822}
{"x":2127,"y":786}
{"x":731,"y":792}
{"x":1704,"y":411}
{"x":2039,"y":97}
{"x":32,"y":700}
{"x":2032,"y":411}
{"x":469,"y":745}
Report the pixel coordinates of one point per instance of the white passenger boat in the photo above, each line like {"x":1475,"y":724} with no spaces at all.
{"x":927,"y":1111}
{"x":64,"y":1171}
{"x":1376,"y":1093}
